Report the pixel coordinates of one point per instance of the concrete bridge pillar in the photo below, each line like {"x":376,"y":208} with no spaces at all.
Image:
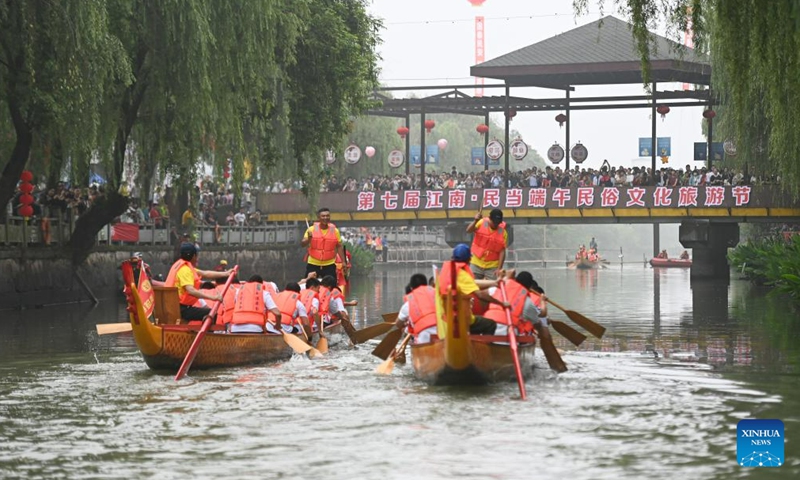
{"x":709,"y":243}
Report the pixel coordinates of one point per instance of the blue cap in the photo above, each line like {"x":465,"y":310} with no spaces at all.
{"x":461,"y":253}
{"x":188,"y":250}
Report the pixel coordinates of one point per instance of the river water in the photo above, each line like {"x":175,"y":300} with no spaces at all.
{"x":659,"y":396}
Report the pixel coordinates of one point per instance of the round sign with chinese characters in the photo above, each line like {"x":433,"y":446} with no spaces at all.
{"x":729,"y":147}
{"x":352,"y":154}
{"x":579,"y":153}
{"x":519,"y":149}
{"x":495,"y":149}
{"x":396,"y":158}
{"x":555,"y":153}
{"x":330,"y":157}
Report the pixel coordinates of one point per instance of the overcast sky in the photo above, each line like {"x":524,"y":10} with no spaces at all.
{"x":431,"y":42}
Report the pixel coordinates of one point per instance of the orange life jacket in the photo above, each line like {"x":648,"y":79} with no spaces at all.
{"x":487,"y":243}
{"x":445,"y":276}
{"x":286,"y":302}
{"x":225,"y":313}
{"x":421,"y":309}
{"x":249,"y":308}
{"x":326,"y":296}
{"x":307,"y":297}
{"x":186,"y":298}
{"x":516,"y":294}
{"x":271,"y":289}
{"x":323,"y":247}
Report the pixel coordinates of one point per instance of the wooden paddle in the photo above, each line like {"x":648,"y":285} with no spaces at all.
{"x":322,"y":344}
{"x":106,"y":328}
{"x":550,"y":351}
{"x":573,"y":336}
{"x":384,"y":349}
{"x":590,"y":326}
{"x":512,"y":341}
{"x":387,"y":366}
{"x":313,"y":352}
{"x":372,"y":331}
{"x":298,"y":345}
{"x":187,"y":362}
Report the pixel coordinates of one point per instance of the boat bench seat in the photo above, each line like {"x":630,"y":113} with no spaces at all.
{"x":167,"y":308}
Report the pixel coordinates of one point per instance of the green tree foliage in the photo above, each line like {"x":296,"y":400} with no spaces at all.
{"x":755,"y":52}
{"x":772,"y":261}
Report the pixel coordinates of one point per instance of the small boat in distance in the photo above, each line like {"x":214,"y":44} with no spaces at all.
{"x":584,"y":264}
{"x":671,"y":262}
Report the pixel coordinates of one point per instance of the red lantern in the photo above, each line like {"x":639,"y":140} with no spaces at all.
{"x":483,"y":129}
{"x":26,"y":176}
{"x":511,"y":113}
{"x":561,"y":118}
{"x":476,"y":3}
{"x":662,"y":110}
{"x":429,"y":124}
{"x":25,"y":187}
{"x":26,"y":211}
{"x":25,"y":199}
{"x":402,"y":131}
{"x":709,"y":114}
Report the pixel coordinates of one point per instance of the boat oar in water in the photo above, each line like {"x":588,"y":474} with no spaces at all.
{"x":387,"y":366}
{"x":385,"y":348}
{"x":322,"y":344}
{"x":573,"y":336}
{"x":512,"y":341}
{"x":106,"y":328}
{"x":551,"y":352}
{"x":298,"y":345}
{"x":187,"y":362}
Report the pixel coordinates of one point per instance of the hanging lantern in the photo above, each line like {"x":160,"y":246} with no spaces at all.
{"x":26,"y":199}
{"x":561,"y":118}
{"x":429,"y":124}
{"x":662,"y":110}
{"x":370,"y":151}
{"x":709,"y":114}
{"x":26,"y":176}
{"x":26,"y":211}
{"x":483,"y":129}
{"x":664,"y":159}
{"x":402,"y":131}
{"x":476,"y":3}
{"x":511,"y":113}
{"x":25,"y":187}
{"x":442,"y":143}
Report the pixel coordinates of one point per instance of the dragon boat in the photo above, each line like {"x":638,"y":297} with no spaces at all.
{"x":670,"y":262}
{"x":584,"y":264}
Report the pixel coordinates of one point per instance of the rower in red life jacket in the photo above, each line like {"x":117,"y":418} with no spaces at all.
{"x":310,"y":298}
{"x":331,"y":301}
{"x":225,"y":312}
{"x":418,"y":313}
{"x":184,"y":275}
{"x":293,"y":312}
{"x":251,"y":304}
{"x":526,"y":314}
{"x":489,"y":244}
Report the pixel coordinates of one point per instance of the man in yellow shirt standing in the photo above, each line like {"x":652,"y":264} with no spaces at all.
{"x":184,"y":275}
{"x":489,"y":244}
{"x":324,"y":241}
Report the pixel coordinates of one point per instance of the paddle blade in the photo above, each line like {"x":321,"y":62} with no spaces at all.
{"x":386,"y":367}
{"x":385,"y":348}
{"x":349,"y":329}
{"x":322,"y":344}
{"x":592,"y":327}
{"x":106,"y":328}
{"x":390,"y":317}
{"x":371,"y":332}
{"x":551,"y":353}
{"x":297,"y":345}
{"x":573,"y":336}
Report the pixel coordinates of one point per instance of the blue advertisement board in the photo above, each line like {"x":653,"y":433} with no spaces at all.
{"x":432,"y":157}
{"x":479,"y":157}
{"x":701,"y":151}
{"x":664,"y":145}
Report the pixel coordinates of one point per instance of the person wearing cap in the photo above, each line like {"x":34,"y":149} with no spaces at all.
{"x":468,"y":286}
{"x":185,"y":275}
{"x":488,"y":244}
{"x":324,"y":242}
{"x":222,"y":266}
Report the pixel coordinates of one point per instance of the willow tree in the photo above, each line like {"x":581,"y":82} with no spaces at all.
{"x":755,"y":53}
{"x":55,"y":60}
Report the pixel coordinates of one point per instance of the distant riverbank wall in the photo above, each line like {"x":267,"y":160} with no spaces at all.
{"x":38,"y":277}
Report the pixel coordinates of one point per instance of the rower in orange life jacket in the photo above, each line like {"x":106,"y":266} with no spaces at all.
{"x":488,"y":244}
{"x":467,"y":286}
{"x":331,"y":301}
{"x":184,"y":275}
{"x":251,"y":304}
{"x":310,"y":299}
{"x":293,"y":312}
{"x":581,"y":253}
{"x":323,"y":241}
{"x":525,"y":312}
{"x":418,"y":313}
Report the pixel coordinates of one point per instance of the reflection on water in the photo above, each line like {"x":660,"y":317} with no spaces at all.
{"x":659,"y":395}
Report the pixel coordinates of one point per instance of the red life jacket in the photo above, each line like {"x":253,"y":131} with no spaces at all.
{"x":487,"y":243}
{"x":186,"y":298}
{"x":446,"y":275}
{"x":421,"y":309}
{"x":326,"y":296}
{"x":225,"y":313}
{"x":516,"y":297}
{"x":250,"y":308}
{"x":286,"y":302}
{"x":323,"y":247}
{"x":307,"y":297}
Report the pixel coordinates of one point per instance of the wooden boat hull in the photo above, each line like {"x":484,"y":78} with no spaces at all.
{"x":489,"y":363}
{"x":670,"y":263}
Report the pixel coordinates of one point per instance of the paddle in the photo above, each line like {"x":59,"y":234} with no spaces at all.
{"x":106,"y":328}
{"x":387,"y":366}
{"x":373,"y":331}
{"x":187,"y":362}
{"x":512,"y":341}
{"x":322,"y":344}
{"x":550,"y":351}
{"x":573,"y":336}
{"x":298,"y":345}
{"x":384,"y":349}
{"x":312,"y":352}
{"x":592,"y":327}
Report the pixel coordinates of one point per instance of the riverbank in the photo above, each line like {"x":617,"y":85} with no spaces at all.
{"x":37,"y":277}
